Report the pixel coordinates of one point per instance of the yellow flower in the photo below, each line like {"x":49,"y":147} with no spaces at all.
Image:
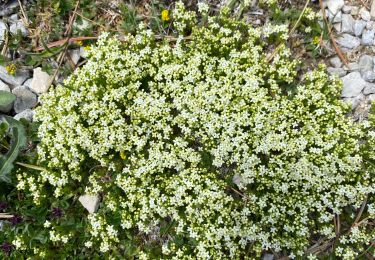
{"x":316,"y":40}
{"x":11,"y":69}
{"x":122,"y":155}
{"x":87,"y":47}
{"x":80,"y":43}
{"x":165,"y":15}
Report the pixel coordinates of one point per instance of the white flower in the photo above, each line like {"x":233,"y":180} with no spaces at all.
{"x":47,"y":224}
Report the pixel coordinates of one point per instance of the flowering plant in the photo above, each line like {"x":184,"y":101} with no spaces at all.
{"x":203,"y":147}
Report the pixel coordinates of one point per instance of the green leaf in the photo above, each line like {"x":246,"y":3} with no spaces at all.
{"x":18,"y":141}
{"x":6,"y":99}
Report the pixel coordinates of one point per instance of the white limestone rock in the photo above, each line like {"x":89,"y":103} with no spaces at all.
{"x":27,"y":114}
{"x":353,"y":84}
{"x":90,"y":202}
{"x":340,"y":72}
{"x":336,"y":62}
{"x":348,"y":41}
{"x":334,"y":6}
{"x":368,"y":37}
{"x":365,"y":15}
{"x":40,"y":82}
{"x":25,"y":99}
{"x":347,"y":24}
{"x":358,"y":27}
{"x":369,"y":89}
{"x":16,"y":79}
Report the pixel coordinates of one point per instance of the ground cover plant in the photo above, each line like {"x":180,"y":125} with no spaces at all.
{"x":206,"y":144}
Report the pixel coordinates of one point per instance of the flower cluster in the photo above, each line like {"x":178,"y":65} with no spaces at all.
{"x":202,"y":147}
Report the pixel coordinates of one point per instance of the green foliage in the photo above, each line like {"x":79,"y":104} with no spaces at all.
{"x":18,"y":141}
{"x":130,"y":17}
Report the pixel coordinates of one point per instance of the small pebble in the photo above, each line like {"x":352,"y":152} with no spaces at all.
{"x":336,"y":62}
{"x":346,"y":9}
{"x":358,"y":27}
{"x":368,"y":37}
{"x":340,"y":72}
{"x":27,"y":114}
{"x":365,"y":15}
{"x":369,"y":89}
{"x":25,"y":99}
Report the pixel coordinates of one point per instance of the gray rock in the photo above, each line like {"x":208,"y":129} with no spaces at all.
{"x":15,"y":80}
{"x":237,"y":179}
{"x":3,"y":30}
{"x":369,"y":89}
{"x":27,"y":114}
{"x":348,"y":41}
{"x":4,"y":86}
{"x":347,"y":24}
{"x":268,"y":257}
{"x":18,"y":26}
{"x":90,"y":202}
{"x":347,"y":9}
{"x":358,"y":27}
{"x":9,"y":7}
{"x":13,"y":18}
{"x":27,"y":83}
{"x":335,"y":6}
{"x":334,"y":18}
{"x":352,"y":66}
{"x":366,"y":63}
{"x":369,"y":76}
{"x":25,"y":99}
{"x":368,"y":37}
{"x":335,"y":62}
{"x":40,"y":82}
{"x":353,"y":84}
{"x":75,"y":55}
{"x":336,"y":71}
{"x":365,"y":15}
{"x":366,"y":69}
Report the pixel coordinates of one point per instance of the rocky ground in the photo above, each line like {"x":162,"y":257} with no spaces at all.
{"x":26,"y":83}
{"x":354,"y":27}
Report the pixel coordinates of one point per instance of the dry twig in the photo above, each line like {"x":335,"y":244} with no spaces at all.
{"x":24,"y":17}
{"x":63,"y":41}
{"x":355,"y":223}
{"x":5,"y":216}
{"x":68,"y":33}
